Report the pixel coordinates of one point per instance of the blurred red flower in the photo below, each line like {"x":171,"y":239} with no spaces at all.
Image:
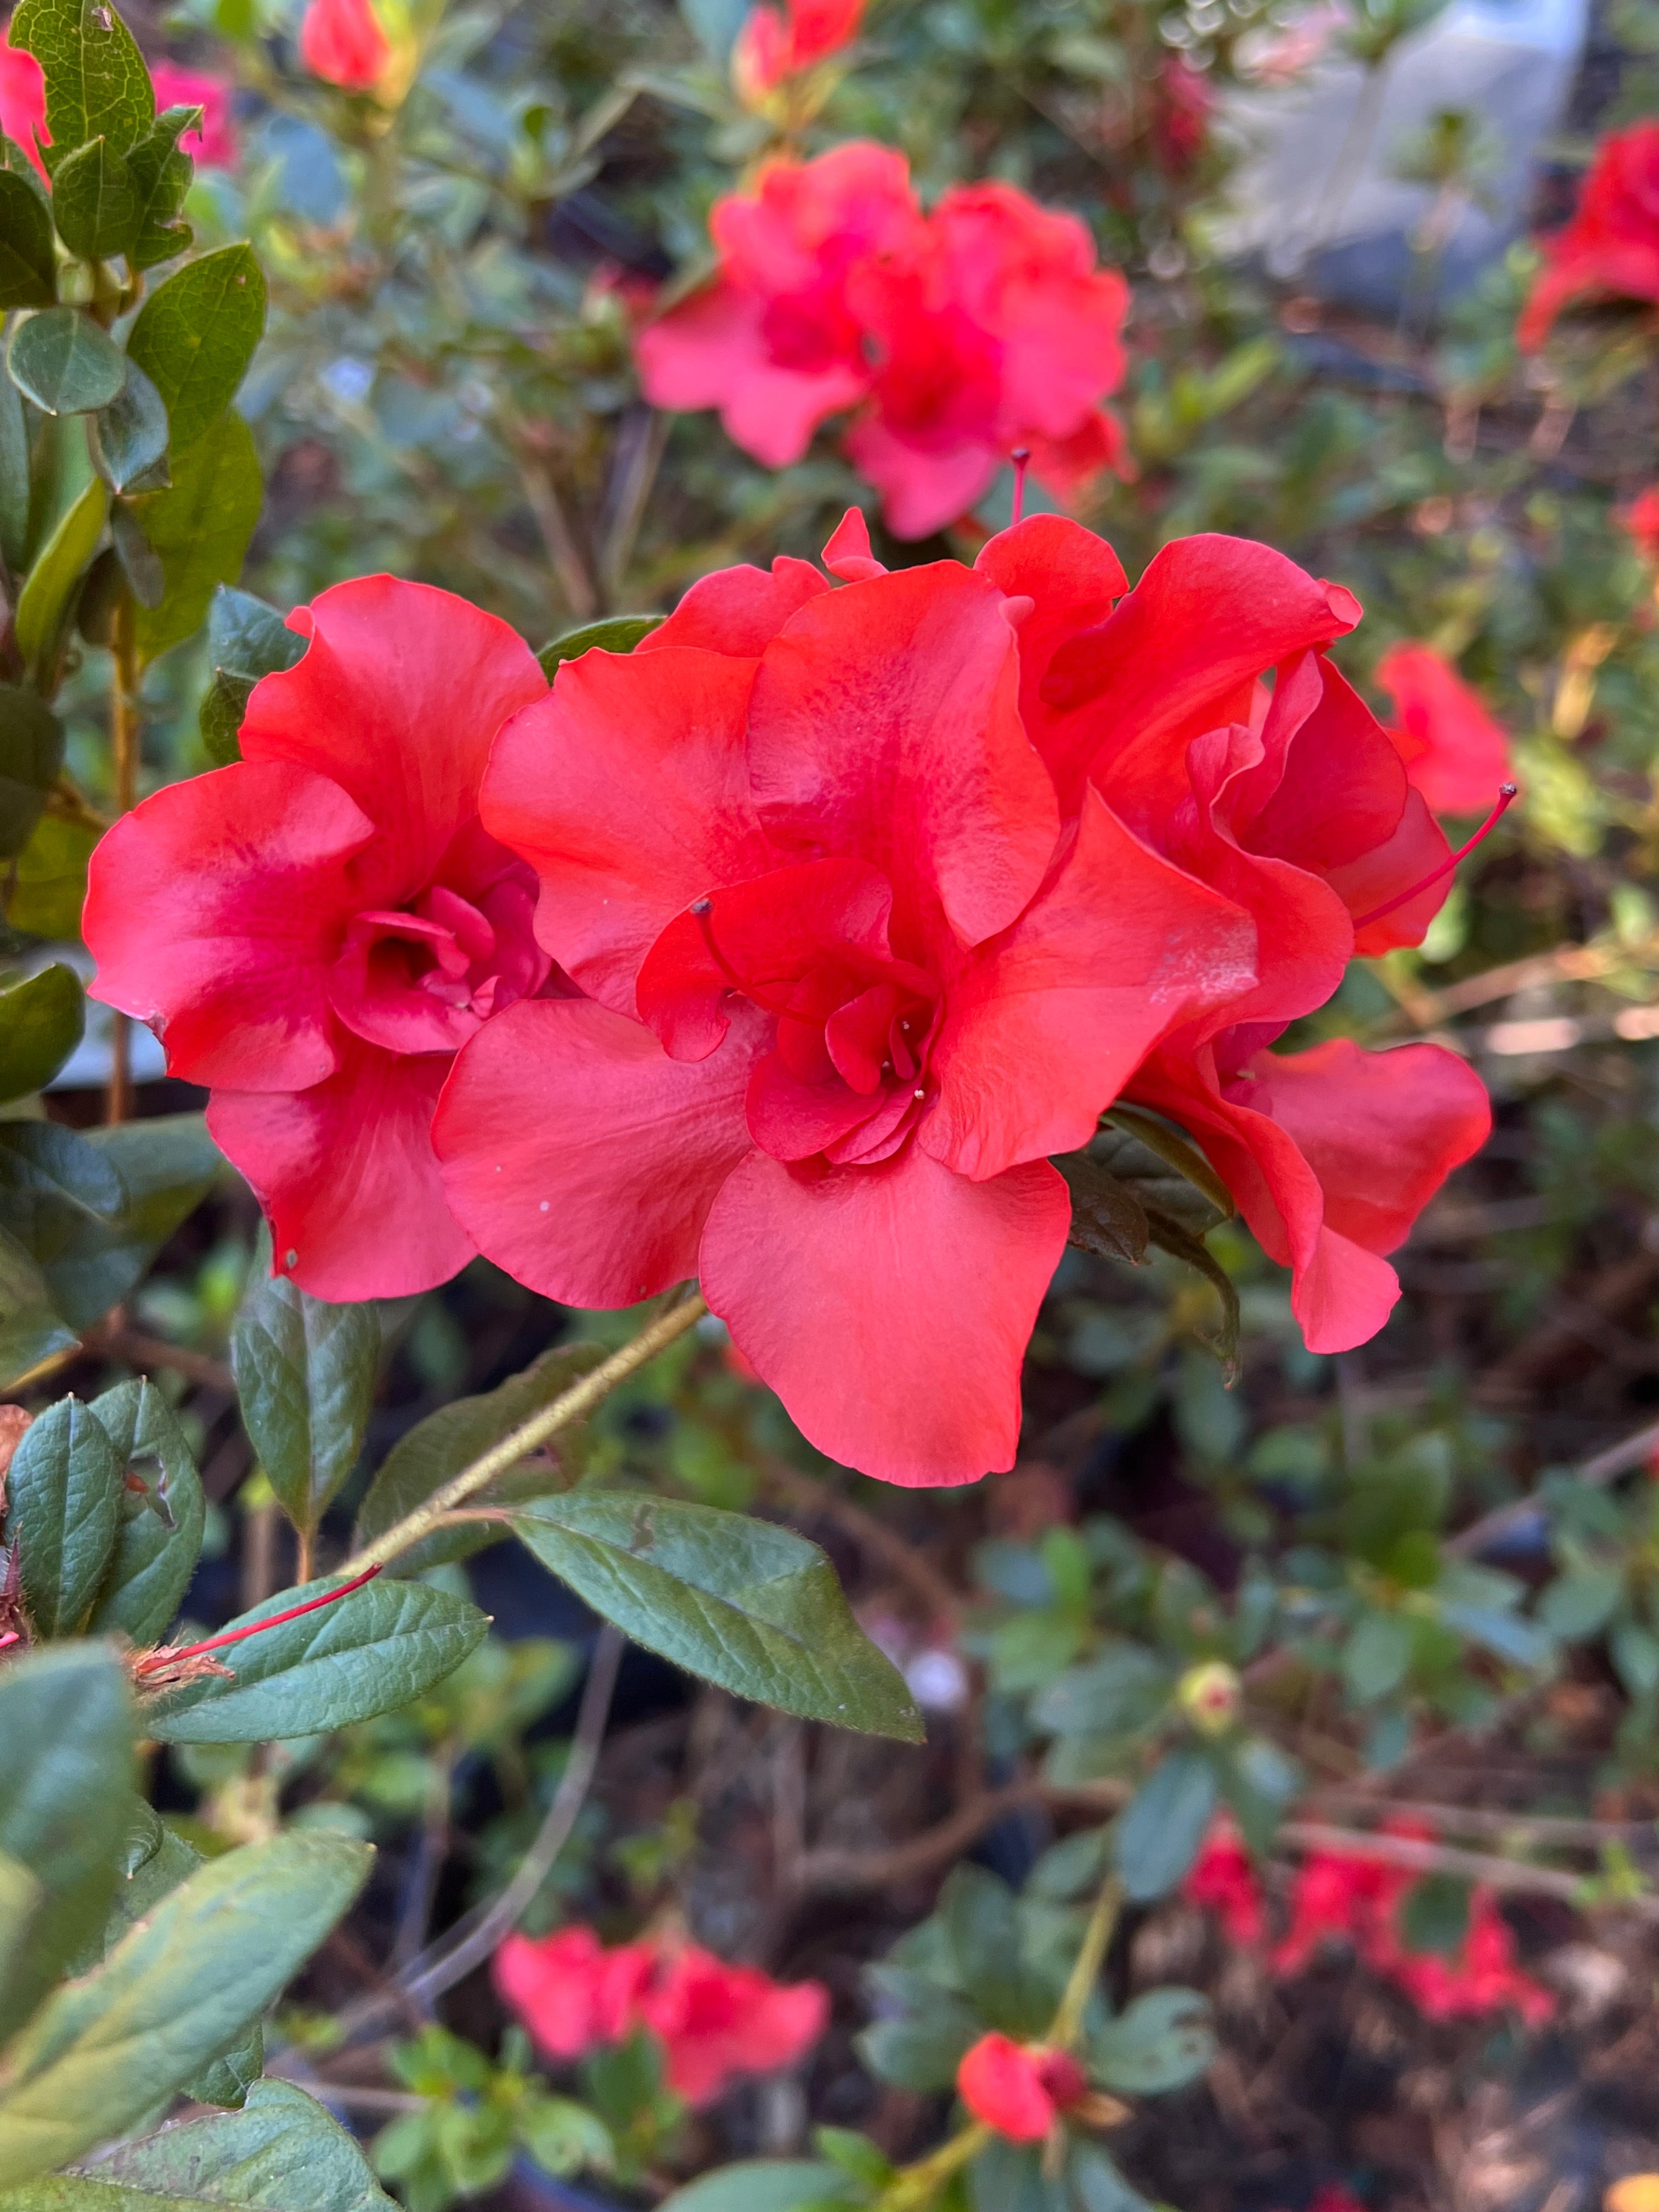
{"x":983,"y":327}
{"x":1641,"y":521}
{"x":214,"y":144}
{"x":1610,"y":249}
{"x":1222,"y":1878}
{"x":1456,"y":752}
{"x":342,"y":42}
{"x":715,"y":2022}
{"x":850,"y":987}
{"x":1019,"y":2089}
{"x":314,"y":930}
{"x":23,"y":101}
{"x":772,"y":47}
{"x":1182,"y":103}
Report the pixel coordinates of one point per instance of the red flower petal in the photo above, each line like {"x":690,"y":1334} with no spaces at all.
{"x":1047,"y":1023}
{"x":346,"y":1173}
{"x":885,"y":724}
{"x":627,"y":789}
{"x":398,"y":700}
{"x":889,"y":1307}
{"x":211,"y":911}
{"x":1000,"y":2082}
{"x":738,"y":610}
{"x":581,"y":1157}
{"x":1455,"y":750}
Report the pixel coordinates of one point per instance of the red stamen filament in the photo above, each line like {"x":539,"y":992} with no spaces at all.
{"x":1506,"y":792}
{"x":1021,"y":458}
{"x":703,"y":909}
{"x":255,"y":1627}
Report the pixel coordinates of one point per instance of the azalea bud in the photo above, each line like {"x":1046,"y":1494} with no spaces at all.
{"x":1210,"y":1696}
{"x":1020,"y":2089}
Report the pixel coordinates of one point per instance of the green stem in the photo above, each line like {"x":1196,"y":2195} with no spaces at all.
{"x":1067,"y":2022}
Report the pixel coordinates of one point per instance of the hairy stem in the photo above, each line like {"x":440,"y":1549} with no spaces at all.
{"x":520,"y":1442}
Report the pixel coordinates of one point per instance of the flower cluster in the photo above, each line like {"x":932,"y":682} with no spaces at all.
{"x":1358,"y":1899}
{"x":715,"y":2022}
{"x":1610,"y":249}
{"x":1456,"y":752}
{"x":788,"y":950}
{"x":1020,"y":2089}
{"x":957,"y":336}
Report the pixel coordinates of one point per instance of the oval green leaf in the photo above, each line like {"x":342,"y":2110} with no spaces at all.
{"x":28,"y":267}
{"x":158,"y":1537}
{"x":41,"y":1020}
{"x":95,"y":202}
{"x":199,"y":529}
{"x":31,"y":755}
{"x":130,"y":435}
{"x":62,"y":1495}
{"x":97,"y":86}
{"x":195,"y":336}
{"x":48,"y":594}
{"x":62,"y":361}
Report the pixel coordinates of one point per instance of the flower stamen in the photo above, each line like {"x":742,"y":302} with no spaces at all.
{"x":152,"y":1660}
{"x":1021,"y":458}
{"x":703,"y":909}
{"x":1506,"y":795}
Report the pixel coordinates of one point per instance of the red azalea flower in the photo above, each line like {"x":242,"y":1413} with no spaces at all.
{"x":1347,"y":1894}
{"x":214,"y":143}
{"x":983,"y":327}
{"x":1223,"y":1880}
{"x":1483,"y":1978}
{"x":1641,"y":521}
{"x":1610,"y":249}
{"x":772,"y":342}
{"x":716,"y":2022}
{"x":1020,"y":2089}
{"x":1295,"y":805}
{"x":314,"y":930}
{"x":994,"y":330}
{"x":23,"y":102}
{"x":342,"y":42}
{"x":771,"y":47}
{"x":1183,"y":104}
{"x":853,"y":985}
{"x":1455,"y":753}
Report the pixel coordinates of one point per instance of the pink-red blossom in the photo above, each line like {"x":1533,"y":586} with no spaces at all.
{"x":213,"y":141}
{"x":1610,"y":249}
{"x":1641,"y":522}
{"x":716,"y":2022}
{"x":1223,"y":1880}
{"x":1020,"y":2089}
{"x":851,"y":982}
{"x":774,"y":46}
{"x":23,"y":101}
{"x":956,"y":336}
{"x":342,"y":42}
{"x":1455,"y":750}
{"x":314,"y":930}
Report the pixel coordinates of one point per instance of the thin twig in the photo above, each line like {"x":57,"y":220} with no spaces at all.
{"x":1421,"y":1856}
{"x":565,"y":1409}
{"x":1593,"y":1473}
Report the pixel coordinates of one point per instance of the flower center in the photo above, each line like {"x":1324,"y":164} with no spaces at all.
{"x":425,"y":977}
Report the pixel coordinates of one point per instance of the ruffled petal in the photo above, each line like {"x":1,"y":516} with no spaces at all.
{"x":581,"y":1157}
{"x":925,"y":484}
{"x":213,"y":910}
{"x":346,"y":1173}
{"x":627,"y":790}
{"x":398,"y":700}
{"x":1046,"y":1024}
{"x":889,"y":1307}
{"x":884,"y":723}
{"x":738,"y":611}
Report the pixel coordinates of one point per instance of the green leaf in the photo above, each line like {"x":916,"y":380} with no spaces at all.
{"x":1009,"y":2177}
{"x":1161,"y":1826}
{"x":1128,"y":1124}
{"x":920,"y":2055}
{"x":62,"y":1497}
{"x":95,"y":202}
{"x":247,"y":640}
{"x":200,"y":528}
{"x":755,"y":1609}
{"x":381,"y":1647}
{"x":196,"y":335}
{"x":31,"y":756}
{"x":49,"y":887}
{"x":129,"y":436}
{"x":66,"y":1741}
{"x":1582,"y":1603}
{"x":616,"y":634}
{"x":1107,"y":1217}
{"x":93,"y":1210}
{"x":41,"y":1019}
{"x":21,"y":1899}
{"x":14,"y":477}
{"x":13,"y":159}
{"x":1162,"y":2041}
{"x":304,"y":1370}
{"x":62,"y":361}
{"x":162,"y":176}
{"x":1169,"y":1236}
{"x":109,"y":2047}
{"x":450,"y":1439}
{"x":158,"y":1537}
{"x":1119,"y":1691}
{"x":48,"y":594}
{"x":1097,"y":2185}
{"x":97,"y":86}
{"x":141,"y":569}
{"x":763,"y":2184}
{"x":1376,"y":1658}
{"x":28,"y":267}
{"x":29,"y":1330}
{"x":281,"y":2153}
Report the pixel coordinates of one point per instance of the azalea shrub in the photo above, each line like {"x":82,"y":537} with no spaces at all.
{"x":827,"y":1191}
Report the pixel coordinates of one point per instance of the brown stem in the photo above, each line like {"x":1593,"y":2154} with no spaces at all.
{"x":123,"y":738}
